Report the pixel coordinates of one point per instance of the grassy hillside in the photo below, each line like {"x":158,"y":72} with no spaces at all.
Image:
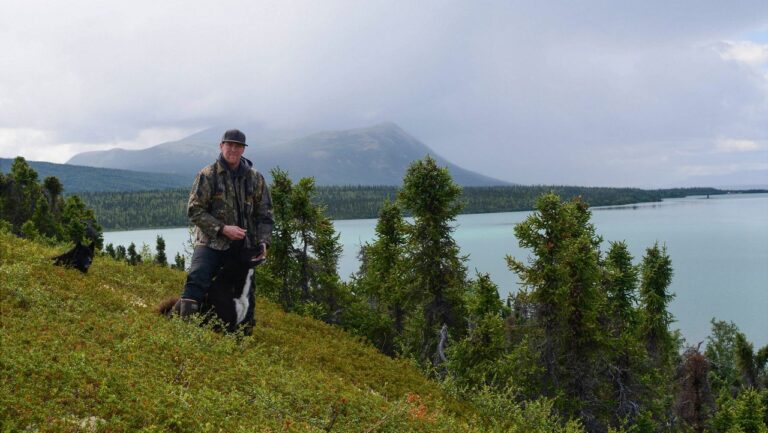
{"x":79,"y":346}
{"x":87,"y":353}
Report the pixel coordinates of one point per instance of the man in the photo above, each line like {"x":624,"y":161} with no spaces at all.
{"x":231,"y":209}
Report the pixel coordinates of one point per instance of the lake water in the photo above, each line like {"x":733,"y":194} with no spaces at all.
{"x":718,"y":247}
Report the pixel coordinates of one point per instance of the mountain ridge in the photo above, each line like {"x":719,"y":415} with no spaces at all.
{"x":375,"y":155}
{"x":78,"y":179}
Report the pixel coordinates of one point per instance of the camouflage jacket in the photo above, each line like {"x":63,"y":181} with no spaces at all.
{"x":239,"y":197}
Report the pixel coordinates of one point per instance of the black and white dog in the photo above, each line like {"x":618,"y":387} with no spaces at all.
{"x":230,"y":299}
{"x":79,"y":257}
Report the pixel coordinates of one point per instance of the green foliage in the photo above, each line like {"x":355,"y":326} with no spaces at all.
{"x":110,"y":361}
{"x":724,"y":375}
{"x":179,"y":262}
{"x":382,"y":282}
{"x":744,"y":414}
{"x":39,"y":212}
{"x":437,"y":276}
{"x":585,"y":335}
{"x":656,"y":276}
{"x":131,"y":255}
{"x":302,"y":272}
{"x":160,"y":257}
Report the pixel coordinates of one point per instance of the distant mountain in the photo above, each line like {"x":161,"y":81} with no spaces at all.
{"x":77,"y":179}
{"x":378,"y":155}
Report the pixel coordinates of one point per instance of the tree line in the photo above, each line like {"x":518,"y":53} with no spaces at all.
{"x":167,"y":208}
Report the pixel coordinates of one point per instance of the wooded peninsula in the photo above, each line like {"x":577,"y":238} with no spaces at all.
{"x":167,"y":208}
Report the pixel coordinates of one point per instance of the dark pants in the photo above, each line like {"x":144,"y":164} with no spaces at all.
{"x":206,"y":262}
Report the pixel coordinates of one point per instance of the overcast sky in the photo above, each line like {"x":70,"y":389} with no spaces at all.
{"x":642,"y":93}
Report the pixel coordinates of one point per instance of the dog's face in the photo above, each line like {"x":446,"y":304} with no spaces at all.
{"x":84,"y":258}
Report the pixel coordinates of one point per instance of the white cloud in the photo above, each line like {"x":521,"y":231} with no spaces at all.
{"x":749,"y":52}
{"x":730,"y":145}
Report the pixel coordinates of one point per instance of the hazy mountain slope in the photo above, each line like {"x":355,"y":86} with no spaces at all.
{"x":79,"y":178}
{"x":377,"y":155}
{"x":185,"y":156}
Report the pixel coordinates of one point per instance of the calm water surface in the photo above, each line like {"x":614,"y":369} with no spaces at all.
{"x":718,"y":246}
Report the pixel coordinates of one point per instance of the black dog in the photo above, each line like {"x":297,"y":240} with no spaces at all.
{"x":230,"y":298}
{"x":79,"y":257}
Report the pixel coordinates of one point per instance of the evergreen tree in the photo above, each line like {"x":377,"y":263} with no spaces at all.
{"x":438,"y":272}
{"x":132,"y":256}
{"x":656,"y":273}
{"x":160,"y":257}
{"x":478,"y":359}
{"x":724,"y":376}
{"x":381,"y":278}
{"x":564,"y":276}
{"x":121,"y":253}
{"x":305,"y":217}
{"x":327,"y":288}
{"x":80,"y":223}
{"x":110,"y":250}
{"x":278,"y":276}
{"x":179,"y":262}
{"x":750,"y":364}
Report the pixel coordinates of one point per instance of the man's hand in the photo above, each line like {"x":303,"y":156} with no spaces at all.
{"x":234,"y":233}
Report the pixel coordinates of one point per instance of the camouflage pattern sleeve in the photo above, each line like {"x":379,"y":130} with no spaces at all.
{"x":199,"y":204}
{"x":264,"y":217}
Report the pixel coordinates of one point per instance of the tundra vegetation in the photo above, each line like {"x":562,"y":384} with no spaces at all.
{"x":411,"y":343}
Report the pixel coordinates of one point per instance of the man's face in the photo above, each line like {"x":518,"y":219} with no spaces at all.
{"x":232,"y":152}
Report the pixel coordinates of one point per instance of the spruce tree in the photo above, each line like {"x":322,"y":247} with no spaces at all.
{"x":132,"y":256}
{"x":160,"y":257}
{"x":179,"y":262}
{"x":110,"y":250}
{"x":438,"y":271}
{"x":656,"y":276}
{"x":564,"y":277}
{"x":278,"y":276}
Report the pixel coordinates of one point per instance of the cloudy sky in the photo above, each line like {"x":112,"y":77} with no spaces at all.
{"x":642,"y":93}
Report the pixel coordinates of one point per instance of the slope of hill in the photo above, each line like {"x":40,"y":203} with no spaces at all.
{"x":89,"y":349}
{"x":88,"y":353}
{"x":378,"y":155}
{"x":79,"y":178}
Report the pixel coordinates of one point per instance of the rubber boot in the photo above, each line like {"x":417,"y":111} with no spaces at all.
{"x":186,"y":307}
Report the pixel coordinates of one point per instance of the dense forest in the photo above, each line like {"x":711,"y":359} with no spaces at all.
{"x":588,"y":336}
{"x":167,"y":208}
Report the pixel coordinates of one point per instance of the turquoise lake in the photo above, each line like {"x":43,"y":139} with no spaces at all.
{"x":718,"y":247}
